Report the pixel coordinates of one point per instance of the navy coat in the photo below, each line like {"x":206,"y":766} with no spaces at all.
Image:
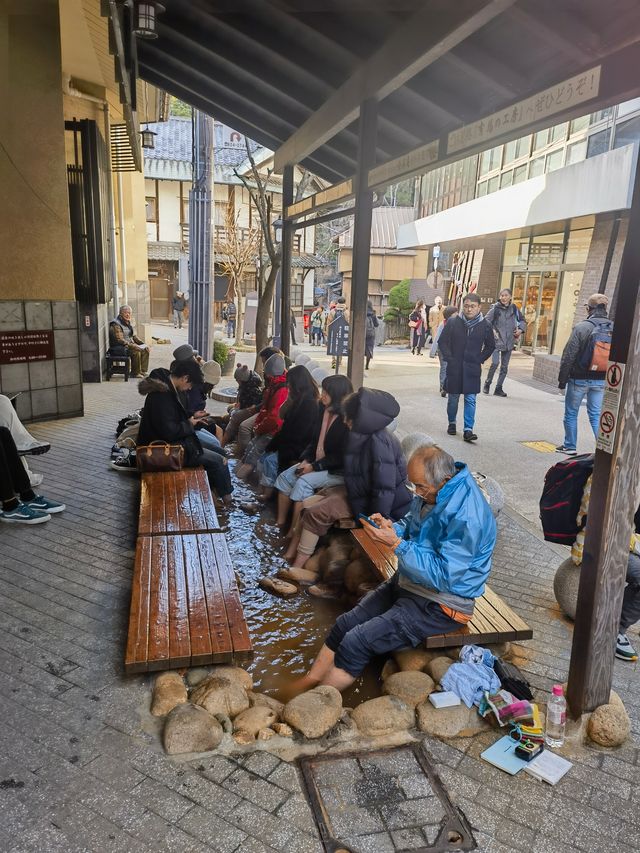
{"x":375,"y":472}
{"x":465,"y":351}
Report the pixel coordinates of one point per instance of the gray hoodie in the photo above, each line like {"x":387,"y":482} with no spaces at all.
{"x":504,"y":320}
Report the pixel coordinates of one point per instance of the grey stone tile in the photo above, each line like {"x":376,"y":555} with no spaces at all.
{"x":301,"y":842}
{"x":351,"y":820}
{"x":11,"y":316}
{"x":261,"y":763}
{"x":414,"y":787}
{"x":23,"y":406}
{"x":407,"y":839}
{"x":65,"y":315}
{"x":70,"y":399}
{"x":42,"y":374}
{"x":212,"y":829}
{"x":66,"y":342}
{"x":286,"y":776}
{"x":380,"y":842}
{"x":14,"y":377}
{"x":44,"y":403}
{"x":38,"y":315}
{"x":162,"y":800}
{"x":412,"y":812}
{"x":256,"y":790}
{"x":298,"y":811}
{"x":114,"y":771}
{"x":216,"y":768}
{"x":259,"y":823}
{"x":68,"y":371}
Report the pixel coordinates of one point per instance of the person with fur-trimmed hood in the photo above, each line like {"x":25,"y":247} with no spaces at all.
{"x":164,"y":418}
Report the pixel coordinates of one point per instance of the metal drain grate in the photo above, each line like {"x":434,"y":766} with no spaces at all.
{"x":387,"y":800}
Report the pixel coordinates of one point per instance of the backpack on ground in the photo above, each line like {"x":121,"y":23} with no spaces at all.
{"x":561,"y":497}
{"x":595,"y":353}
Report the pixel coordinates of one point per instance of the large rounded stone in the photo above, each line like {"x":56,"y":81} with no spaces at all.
{"x":190,"y":729}
{"x":410,"y":660}
{"x":565,"y":587}
{"x":609,"y":725}
{"x":438,"y":667}
{"x":169,"y":690}
{"x":220,"y":696}
{"x":263,"y":701}
{"x":234,"y":673}
{"x":382,"y":716}
{"x":315,"y":712}
{"x":251,"y":721}
{"x":457,"y":721}
{"x":390,"y":668}
{"x":412,"y":687}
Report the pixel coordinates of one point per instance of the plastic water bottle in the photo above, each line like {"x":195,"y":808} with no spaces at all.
{"x":556,"y":717}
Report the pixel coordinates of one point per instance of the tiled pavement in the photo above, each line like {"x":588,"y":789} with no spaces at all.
{"x":79,"y":769}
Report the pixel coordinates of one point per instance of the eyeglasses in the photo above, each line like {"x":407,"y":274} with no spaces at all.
{"x":421,"y":489}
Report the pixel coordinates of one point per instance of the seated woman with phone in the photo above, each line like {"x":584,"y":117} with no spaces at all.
{"x":321,"y":462}
{"x":375,"y":473}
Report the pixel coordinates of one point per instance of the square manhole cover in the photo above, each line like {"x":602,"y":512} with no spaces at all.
{"x":383,"y":801}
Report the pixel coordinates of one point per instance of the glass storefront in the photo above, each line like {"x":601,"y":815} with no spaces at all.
{"x":545,"y":273}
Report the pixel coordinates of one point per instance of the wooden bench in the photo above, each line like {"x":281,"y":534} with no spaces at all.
{"x":493,"y":620}
{"x":185,"y":604}
{"x":177,"y":502}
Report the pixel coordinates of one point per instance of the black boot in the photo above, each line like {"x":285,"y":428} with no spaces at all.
{"x":499,"y":393}
{"x":486,"y":387}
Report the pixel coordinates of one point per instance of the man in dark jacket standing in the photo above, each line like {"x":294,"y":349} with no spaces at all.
{"x":579,"y":378}
{"x":466,"y":343}
{"x":508,"y":324}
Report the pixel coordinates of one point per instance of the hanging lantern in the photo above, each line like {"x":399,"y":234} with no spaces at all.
{"x":148,"y":138}
{"x":277,"y":229}
{"x":145,"y":18}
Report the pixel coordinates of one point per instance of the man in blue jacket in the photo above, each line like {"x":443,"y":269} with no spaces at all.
{"x":444,"y":547}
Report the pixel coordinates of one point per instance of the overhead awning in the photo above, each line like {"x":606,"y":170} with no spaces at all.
{"x":600,"y":184}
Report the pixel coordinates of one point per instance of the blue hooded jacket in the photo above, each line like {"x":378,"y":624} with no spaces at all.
{"x":449,"y":549}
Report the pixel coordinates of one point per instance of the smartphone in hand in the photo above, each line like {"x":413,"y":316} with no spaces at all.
{"x":368,"y":520}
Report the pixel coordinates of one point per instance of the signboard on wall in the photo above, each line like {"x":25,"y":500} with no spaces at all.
{"x":610,"y":413}
{"x":20,"y":347}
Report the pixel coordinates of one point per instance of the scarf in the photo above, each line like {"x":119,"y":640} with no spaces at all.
{"x":471,"y":323}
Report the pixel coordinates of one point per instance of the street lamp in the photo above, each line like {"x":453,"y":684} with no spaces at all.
{"x":277,"y":229}
{"x":148,"y":138}
{"x":145,"y":18}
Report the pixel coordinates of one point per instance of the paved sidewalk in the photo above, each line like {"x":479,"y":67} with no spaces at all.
{"x":81,"y":769}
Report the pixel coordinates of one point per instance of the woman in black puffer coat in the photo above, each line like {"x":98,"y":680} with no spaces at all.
{"x":375,"y":473}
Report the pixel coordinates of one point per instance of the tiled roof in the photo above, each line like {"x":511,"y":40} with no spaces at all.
{"x":163,"y":251}
{"x":384,"y":227}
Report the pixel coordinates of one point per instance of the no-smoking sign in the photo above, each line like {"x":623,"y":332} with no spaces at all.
{"x":607,"y":422}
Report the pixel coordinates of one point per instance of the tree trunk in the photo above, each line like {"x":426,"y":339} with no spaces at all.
{"x":240,"y":317}
{"x":264,"y":309}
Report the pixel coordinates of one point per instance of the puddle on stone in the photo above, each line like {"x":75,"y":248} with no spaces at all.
{"x":286,"y":634}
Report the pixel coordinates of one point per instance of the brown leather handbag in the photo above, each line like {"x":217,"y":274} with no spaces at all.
{"x":160,"y":456}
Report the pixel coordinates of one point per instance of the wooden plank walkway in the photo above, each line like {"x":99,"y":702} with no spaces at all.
{"x":493,"y":620}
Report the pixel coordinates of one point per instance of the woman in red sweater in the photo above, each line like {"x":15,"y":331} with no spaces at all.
{"x":268,"y":421}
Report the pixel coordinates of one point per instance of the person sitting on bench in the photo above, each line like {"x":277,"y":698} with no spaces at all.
{"x":164,"y":418}
{"x":26,"y":444}
{"x":20,"y":504}
{"x":444,"y":547}
{"x":123,"y":341}
{"x":375,"y":474}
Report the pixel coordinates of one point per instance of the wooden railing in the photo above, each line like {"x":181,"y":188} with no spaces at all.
{"x":220,"y":233}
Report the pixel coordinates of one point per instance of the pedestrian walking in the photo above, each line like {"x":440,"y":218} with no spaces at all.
{"x":466,"y":343}
{"x":370,"y":334}
{"x":178,"y":304}
{"x":449,"y":311}
{"x":508,"y":324}
{"x":292,"y":326}
{"x":229,"y":314}
{"x":583,"y":369}
{"x":436,"y":313}
{"x":418,"y":326}
{"x":318,"y":319}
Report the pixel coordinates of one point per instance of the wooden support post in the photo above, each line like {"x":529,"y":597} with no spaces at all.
{"x":285,"y":269}
{"x":615,"y":493}
{"x":362,"y":241}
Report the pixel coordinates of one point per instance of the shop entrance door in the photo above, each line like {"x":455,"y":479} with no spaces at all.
{"x":535,"y":293}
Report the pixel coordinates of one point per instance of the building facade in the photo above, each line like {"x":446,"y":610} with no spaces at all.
{"x":544,"y":215}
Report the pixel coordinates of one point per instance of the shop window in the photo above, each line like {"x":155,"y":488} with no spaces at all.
{"x":506,"y":179}
{"x":567,"y":305}
{"x":576,"y":152}
{"x":558,"y":132}
{"x":598,"y":143}
{"x":151,"y":205}
{"x":536,"y":167}
{"x":520,"y":174}
{"x":627,"y":132}
{"x":546,"y":250}
{"x":554,"y":160}
{"x":297,"y":296}
{"x":578,"y":246}
{"x":578,"y":125}
{"x":516,"y":251}
{"x":540,"y":139}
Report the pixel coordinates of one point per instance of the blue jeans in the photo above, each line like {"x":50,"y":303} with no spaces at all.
{"x":300,"y":488}
{"x":207,"y":439}
{"x":268,"y":468}
{"x":575,"y":393}
{"x":443,"y":369}
{"x":469,"y":409}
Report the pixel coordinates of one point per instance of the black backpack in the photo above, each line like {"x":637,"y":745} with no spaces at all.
{"x":561,"y":497}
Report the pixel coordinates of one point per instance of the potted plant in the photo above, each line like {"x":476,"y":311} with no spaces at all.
{"x":225,"y":356}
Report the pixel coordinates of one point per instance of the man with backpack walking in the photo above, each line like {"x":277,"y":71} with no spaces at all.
{"x":508,"y":324}
{"x":583,"y":369}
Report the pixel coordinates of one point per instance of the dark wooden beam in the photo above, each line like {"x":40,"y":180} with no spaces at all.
{"x":479,"y":74}
{"x":285,"y":269}
{"x":361,"y":243}
{"x":615,"y":495}
{"x":541,"y":31}
{"x":416,"y":44}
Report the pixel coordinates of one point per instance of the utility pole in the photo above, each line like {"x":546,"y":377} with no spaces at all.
{"x":201,"y":260}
